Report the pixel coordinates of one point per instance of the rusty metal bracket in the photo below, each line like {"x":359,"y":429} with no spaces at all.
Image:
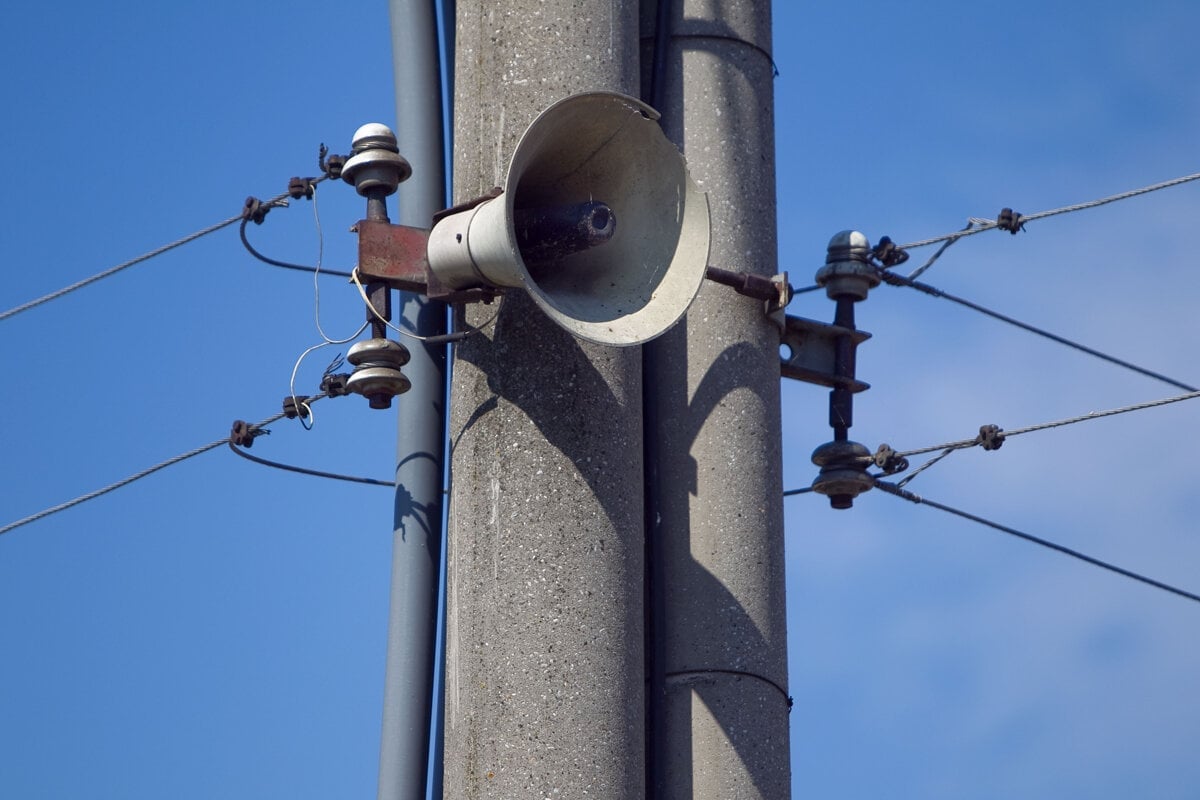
{"x":395,"y":255}
{"x":392,"y":254}
{"x":812,"y":353}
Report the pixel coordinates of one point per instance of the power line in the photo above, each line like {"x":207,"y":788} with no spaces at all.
{"x":987,"y":224}
{"x":938,"y":253}
{"x":895,"y":279}
{"x":278,"y":200}
{"x":139,"y":475}
{"x":909,"y":477}
{"x":964,"y":443}
{"x":892,"y":489}
{"x":445,"y":338}
{"x":284,"y":264}
{"x":306,"y":470}
{"x":12,"y":312}
{"x":991,"y":438}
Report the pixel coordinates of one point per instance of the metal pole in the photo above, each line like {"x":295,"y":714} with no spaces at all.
{"x":421,"y":429}
{"x":718,"y":593}
{"x":544,"y":683}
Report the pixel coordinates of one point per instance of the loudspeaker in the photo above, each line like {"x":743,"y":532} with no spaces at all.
{"x":599,"y":221}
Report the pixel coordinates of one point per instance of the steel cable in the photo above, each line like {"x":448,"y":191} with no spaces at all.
{"x":964,"y":443}
{"x":305,"y":470}
{"x":895,"y":279}
{"x":278,"y":200}
{"x":987,"y":225}
{"x":12,"y":312}
{"x":139,"y":475}
{"x":892,"y":489}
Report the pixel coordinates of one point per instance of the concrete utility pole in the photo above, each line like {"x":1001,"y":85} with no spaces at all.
{"x":544,"y":674}
{"x":548,"y":597}
{"x":719,"y":707}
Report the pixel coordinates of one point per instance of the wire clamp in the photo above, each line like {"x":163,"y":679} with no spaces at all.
{"x":889,"y":460}
{"x":1010,"y":221}
{"x":300,"y":188}
{"x":243,"y":433}
{"x":331,"y":167}
{"x":336,"y":385}
{"x":888,"y":254}
{"x":295,"y":407}
{"x":255,"y":210}
{"x":991,"y":437}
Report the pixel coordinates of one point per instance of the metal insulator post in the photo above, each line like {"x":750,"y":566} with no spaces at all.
{"x":377,"y":374}
{"x":848,"y":276}
{"x":376,"y":169}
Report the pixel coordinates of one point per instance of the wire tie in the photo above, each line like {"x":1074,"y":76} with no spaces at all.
{"x":887,"y":460}
{"x":895,"y":279}
{"x":243,"y":433}
{"x":991,"y":437}
{"x":300,"y":187}
{"x":294,"y":407}
{"x":331,"y":167}
{"x":888,"y":254}
{"x":255,"y":210}
{"x":336,"y":385}
{"x":1010,"y":221}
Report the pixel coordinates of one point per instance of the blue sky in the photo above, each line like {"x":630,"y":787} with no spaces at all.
{"x":218,"y":629}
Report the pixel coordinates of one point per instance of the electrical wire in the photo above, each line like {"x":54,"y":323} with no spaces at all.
{"x":12,"y":312}
{"x":288,"y":265}
{"x":938,"y":254}
{"x":908,"y":478}
{"x":362,"y":291}
{"x":306,"y":471}
{"x":278,"y":200}
{"x":139,"y":475}
{"x":965,"y":443}
{"x":987,"y":224}
{"x":895,"y":279}
{"x":317,"y":270}
{"x":457,"y":336}
{"x":962,"y":444}
{"x":306,"y":420}
{"x":892,"y":489}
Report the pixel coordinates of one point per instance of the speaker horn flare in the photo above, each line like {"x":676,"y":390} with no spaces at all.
{"x":599,"y":221}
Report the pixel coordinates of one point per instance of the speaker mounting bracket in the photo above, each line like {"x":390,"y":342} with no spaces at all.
{"x":396,"y":255}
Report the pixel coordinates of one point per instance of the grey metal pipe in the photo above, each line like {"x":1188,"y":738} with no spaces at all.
{"x":404,"y":755}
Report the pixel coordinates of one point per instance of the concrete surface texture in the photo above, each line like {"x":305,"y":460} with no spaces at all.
{"x":544,"y":678}
{"x":716,"y":384}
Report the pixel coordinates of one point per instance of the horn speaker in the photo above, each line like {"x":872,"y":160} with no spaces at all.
{"x":599,"y":221}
